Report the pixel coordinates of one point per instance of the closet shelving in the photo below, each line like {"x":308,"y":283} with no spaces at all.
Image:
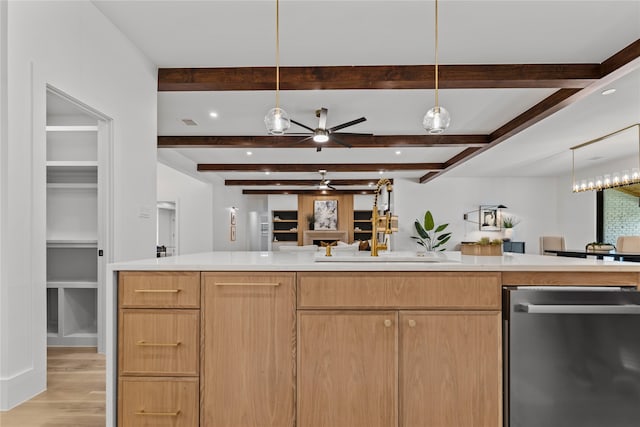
{"x":72,"y":234}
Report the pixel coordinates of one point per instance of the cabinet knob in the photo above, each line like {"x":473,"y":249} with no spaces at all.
{"x":412,"y":323}
{"x":387,"y":323}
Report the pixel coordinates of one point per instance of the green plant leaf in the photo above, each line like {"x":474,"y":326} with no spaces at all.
{"x":428,"y":221}
{"x":441,"y":227}
{"x":421,"y":231}
{"x":444,"y":236}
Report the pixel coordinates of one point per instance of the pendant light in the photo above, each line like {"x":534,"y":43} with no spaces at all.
{"x":437,"y":119}
{"x":277,"y":120}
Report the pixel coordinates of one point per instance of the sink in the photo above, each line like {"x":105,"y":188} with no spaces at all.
{"x":386,"y":257}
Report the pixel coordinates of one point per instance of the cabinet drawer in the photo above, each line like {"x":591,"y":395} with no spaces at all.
{"x":159,"y":289}
{"x":438,"y":290}
{"x":159,"y":342}
{"x":155,"y":402}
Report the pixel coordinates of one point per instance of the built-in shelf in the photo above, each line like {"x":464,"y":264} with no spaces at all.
{"x":71,"y":163}
{"x":72,"y":243}
{"x":362,"y":225}
{"x":282,"y":222}
{"x":73,"y":186}
{"x":79,"y":284}
{"x":72,"y":128}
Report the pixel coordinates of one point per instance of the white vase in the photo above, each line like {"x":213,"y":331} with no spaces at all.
{"x":508,"y":234}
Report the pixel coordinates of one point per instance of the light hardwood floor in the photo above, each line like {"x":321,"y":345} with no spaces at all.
{"x":75,"y":393}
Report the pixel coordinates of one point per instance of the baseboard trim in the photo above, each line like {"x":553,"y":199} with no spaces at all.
{"x":21,"y":387}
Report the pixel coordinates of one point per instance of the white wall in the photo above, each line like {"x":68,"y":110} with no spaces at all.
{"x":533,"y":200}
{"x":74,"y":48}
{"x":194,"y":203}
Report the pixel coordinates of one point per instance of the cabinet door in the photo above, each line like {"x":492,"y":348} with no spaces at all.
{"x":450,"y":369}
{"x":248,"y":370}
{"x":347,"y":369}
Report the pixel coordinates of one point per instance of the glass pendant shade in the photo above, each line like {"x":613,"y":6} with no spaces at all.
{"x":277,"y":121}
{"x":436,"y":120}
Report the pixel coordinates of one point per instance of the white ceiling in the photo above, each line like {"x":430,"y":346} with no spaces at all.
{"x":242,"y":33}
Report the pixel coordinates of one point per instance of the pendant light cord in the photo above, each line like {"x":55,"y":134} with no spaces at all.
{"x":437,"y":104}
{"x":278,"y":54}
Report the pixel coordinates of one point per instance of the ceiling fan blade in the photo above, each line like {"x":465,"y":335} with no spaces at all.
{"x":338,"y":141}
{"x":331,"y":187}
{"x":301,"y":125}
{"x":322,"y":123}
{"x":347,"y":124}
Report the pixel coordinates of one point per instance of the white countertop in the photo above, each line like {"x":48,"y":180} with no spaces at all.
{"x":394,"y":261}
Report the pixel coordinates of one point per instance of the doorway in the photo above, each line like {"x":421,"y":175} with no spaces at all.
{"x":167,"y":231}
{"x":78,"y":206}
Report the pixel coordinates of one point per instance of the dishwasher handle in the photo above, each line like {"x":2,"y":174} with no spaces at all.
{"x":578,"y":309}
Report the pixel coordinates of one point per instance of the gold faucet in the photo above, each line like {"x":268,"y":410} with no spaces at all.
{"x":385,"y":224}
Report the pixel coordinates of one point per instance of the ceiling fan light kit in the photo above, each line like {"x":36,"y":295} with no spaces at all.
{"x":277,"y":120}
{"x":437,"y":119}
{"x":322,"y":134}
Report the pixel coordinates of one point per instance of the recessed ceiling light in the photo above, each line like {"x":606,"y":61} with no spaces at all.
{"x":398,"y":152}
{"x":249,"y":153}
{"x":277,"y":183}
{"x":381,"y":172}
{"x":267,"y":173}
{"x":371,"y":184}
{"x":608,"y":91}
{"x":189,"y":122}
{"x":213,"y":114}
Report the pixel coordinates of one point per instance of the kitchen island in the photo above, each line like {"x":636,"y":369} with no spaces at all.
{"x":282,"y":339}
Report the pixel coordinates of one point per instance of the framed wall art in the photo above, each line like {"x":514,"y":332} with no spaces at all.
{"x":325,"y":213}
{"x":489,"y":218}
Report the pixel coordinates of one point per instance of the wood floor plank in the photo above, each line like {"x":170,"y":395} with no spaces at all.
{"x":75,"y":395}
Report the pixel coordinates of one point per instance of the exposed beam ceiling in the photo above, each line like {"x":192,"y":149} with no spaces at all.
{"x":574,"y":81}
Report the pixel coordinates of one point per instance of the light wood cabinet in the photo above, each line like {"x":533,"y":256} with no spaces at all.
{"x":347,"y":370}
{"x":158,"y":402}
{"x":450,"y":369}
{"x":159,"y":349}
{"x":248,"y":360}
{"x":437,"y":365}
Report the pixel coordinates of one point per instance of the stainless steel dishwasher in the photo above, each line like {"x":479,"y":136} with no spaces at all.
{"x":572,"y":356}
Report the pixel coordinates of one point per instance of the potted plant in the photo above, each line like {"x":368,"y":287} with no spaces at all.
{"x":429,"y":236}
{"x":508,"y":222}
{"x":311,"y":221}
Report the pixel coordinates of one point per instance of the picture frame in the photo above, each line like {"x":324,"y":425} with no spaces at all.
{"x":489,"y":219}
{"x":232,"y":235}
{"x":325,"y":213}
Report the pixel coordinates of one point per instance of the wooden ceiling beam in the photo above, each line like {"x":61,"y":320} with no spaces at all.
{"x":306,"y":182}
{"x":309,"y":192}
{"x":379,"y":77}
{"x":289,"y":141}
{"x":315,"y":167}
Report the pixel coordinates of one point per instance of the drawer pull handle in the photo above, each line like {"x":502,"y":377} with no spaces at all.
{"x":159,"y":414}
{"x":412,"y":323}
{"x":157,"y":344}
{"x":387,"y":323}
{"x":158,"y":291}
{"x":245,"y":284}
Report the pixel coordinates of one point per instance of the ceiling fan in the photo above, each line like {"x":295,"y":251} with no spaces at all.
{"x":324,"y":182}
{"x":321,"y":134}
